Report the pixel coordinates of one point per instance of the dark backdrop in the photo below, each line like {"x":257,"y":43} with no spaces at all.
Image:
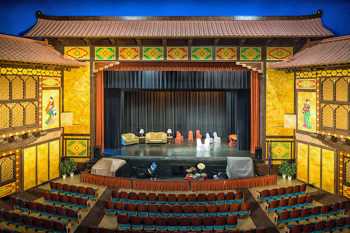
{"x":149,"y":100}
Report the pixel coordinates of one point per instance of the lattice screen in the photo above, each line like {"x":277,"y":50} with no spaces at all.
{"x":327,"y":116}
{"x":18,"y":101}
{"x":347,"y":171}
{"x":341,"y":118}
{"x":327,"y":89}
{"x":7,"y":169}
{"x":341,"y":90}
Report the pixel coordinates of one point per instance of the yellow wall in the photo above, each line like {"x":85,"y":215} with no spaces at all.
{"x":279,"y":101}
{"x":43,"y":163}
{"x":76,"y":96}
{"x":302,"y":162}
{"x":29,"y":167}
{"x":54,"y":159}
{"x":315,"y":166}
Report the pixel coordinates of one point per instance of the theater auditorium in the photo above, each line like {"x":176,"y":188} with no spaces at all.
{"x":175,"y":124}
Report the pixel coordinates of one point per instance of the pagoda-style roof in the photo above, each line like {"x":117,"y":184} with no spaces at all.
{"x":23,"y":50}
{"x":179,"y":27}
{"x":331,"y":52}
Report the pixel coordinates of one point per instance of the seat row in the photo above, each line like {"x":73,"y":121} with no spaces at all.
{"x":66,"y":200}
{"x":288,"y":203}
{"x":103,"y":230}
{"x":178,"y":210}
{"x":323,"y":226}
{"x":88,"y":191}
{"x":309,"y":213}
{"x":176,"y":224}
{"x":59,"y":211}
{"x":162,"y":198}
{"x":278,"y":193}
{"x":39,"y":224}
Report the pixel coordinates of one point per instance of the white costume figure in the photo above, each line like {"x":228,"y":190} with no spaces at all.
{"x":217,"y":140}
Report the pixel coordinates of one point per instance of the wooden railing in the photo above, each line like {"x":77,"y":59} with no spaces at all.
{"x":178,"y":185}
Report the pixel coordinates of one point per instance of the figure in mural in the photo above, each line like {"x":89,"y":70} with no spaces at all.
{"x":50,"y":111}
{"x":307,"y":114}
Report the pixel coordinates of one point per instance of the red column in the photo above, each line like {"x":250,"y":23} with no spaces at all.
{"x":254,"y":111}
{"x":99,"y":110}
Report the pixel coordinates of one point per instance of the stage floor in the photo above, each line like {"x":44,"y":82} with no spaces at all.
{"x":176,"y":152}
{"x":173,"y":159}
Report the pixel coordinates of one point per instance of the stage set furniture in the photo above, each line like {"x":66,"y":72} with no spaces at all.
{"x":156,"y":137}
{"x":129,"y":139}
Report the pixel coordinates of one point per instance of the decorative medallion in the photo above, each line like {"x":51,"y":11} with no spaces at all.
{"x":129,"y":53}
{"x":177,"y":53}
{"x":225,"y":53}
{"x":105,"y":53}
{"x":281,"y":150}
{"x":250,"y":53}
{"x":80,"y":53}
{"x":278,"y":53}
{"x":201,"y":53}
{"x":77,"y":148}
{"x":153,"y":53}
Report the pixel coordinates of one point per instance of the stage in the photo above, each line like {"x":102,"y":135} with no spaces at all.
{"x":173,"y":159}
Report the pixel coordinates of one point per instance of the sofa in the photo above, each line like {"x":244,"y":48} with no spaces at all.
{"x":156,"y":137}
{"x":129,"y":139}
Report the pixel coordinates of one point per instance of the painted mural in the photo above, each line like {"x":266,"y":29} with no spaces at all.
{"x":279,"y":101}
{"x":307,"y":111}
{"x":50,"y":109}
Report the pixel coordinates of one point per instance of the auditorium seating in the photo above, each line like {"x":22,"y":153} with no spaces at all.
{"x":67,"y":200}
{"x":329,"y":225}
{"x":184,"y":198}
{"x":33,"y":223}
{"x":288,"y":203}
{"x":46,"y":210}
{"x":172,"y":224}
{"x":279,"y":193}
{"x":74,"y":190}
{"x":297,"y":215}
{"x":142,"y":210}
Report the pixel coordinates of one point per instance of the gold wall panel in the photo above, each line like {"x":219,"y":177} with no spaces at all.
{"x":54,"y":159}
{"x":43,"y":162}
{"x":315,"y":166}
{"x":341,"y":119}
{"x":279,"y":101}
{"x":4,"y":116}
{"x":29,"y":167}
{"x":306,"y":111}
{"x":5,"y":88}
{"x":341,"y":90}
{"x":327,"y":116}
{"x":7,"y":168}
{"x":17,"y":115}
{"x":17,"y":88}
{"x":30,"y":114}
{"x":328,"y":173}
{"x":77,"y":99}
{"x":327,"y":89}
{"x":7,"y":189}
{"x":30,"y":87}
{"x":302,"y":162}
{"x":50,"y":108}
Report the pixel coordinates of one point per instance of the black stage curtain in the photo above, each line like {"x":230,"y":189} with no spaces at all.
{"x":176,"y":80}
{"x":155,"y":101}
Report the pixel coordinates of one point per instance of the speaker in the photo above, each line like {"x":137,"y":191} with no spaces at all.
{"x":258,"y":153}
{"x":97,"y":153}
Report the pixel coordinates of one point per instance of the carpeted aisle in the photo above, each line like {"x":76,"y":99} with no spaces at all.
{"x":96,"y":213}
{"x":258,"y":215}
